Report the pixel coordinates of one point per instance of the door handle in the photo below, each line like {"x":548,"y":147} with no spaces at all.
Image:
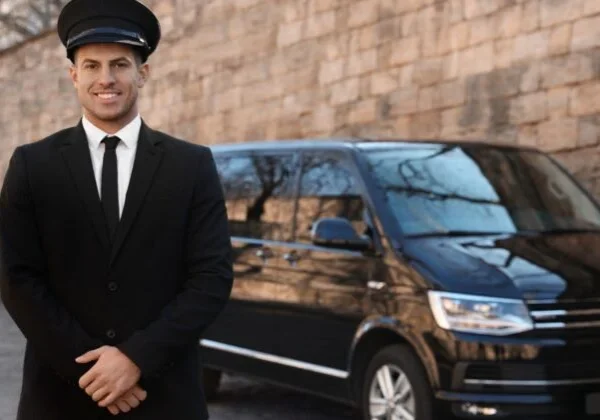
{"x":265,"y":253}
{"x":376,"y":285}
{"x":291,"y":257}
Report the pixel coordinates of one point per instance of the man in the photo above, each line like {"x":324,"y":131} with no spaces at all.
{"x":114,"y":240}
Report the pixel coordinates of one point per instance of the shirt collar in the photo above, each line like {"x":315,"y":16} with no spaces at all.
{"x":128,"y":134}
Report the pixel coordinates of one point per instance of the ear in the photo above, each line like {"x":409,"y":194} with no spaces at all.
{"x":74,"y":75}
{"x":143,"y":74}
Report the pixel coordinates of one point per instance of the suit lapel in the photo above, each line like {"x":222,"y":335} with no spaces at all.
{"x":76,"y":153}
{"x":147,"y":159}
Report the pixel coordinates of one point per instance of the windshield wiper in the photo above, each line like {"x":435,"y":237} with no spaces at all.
{"x":559,"y":231}
{"x":459,"y":233}
{"x":455,"y":233}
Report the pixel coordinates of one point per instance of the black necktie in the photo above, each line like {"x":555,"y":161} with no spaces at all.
{"x":110,"y":184}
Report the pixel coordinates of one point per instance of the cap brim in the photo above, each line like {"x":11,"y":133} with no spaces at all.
{"x":106,"y":39}
{"x":102,"y":35}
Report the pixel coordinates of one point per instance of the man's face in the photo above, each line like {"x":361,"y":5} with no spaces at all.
{"x":107,"y":78}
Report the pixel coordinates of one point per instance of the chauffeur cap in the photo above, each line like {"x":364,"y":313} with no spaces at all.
{"x":106,"y":21}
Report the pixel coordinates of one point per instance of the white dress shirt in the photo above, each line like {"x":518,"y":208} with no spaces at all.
{"x":125,"y":154}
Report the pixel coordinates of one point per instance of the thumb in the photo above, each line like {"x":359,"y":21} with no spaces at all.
{"x":90,"y":356}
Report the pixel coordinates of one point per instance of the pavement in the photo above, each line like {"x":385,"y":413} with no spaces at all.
{"x":11,"y":350}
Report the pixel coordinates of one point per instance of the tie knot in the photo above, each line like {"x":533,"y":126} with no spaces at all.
{"x":111,"y":142}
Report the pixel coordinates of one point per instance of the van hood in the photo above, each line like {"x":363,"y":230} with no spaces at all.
{"x":560,"y":266}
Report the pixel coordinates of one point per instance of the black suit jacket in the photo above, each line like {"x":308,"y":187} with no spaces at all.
{"x":152,"y":292}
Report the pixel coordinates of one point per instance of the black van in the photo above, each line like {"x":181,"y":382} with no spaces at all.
{"x":411,"y":279}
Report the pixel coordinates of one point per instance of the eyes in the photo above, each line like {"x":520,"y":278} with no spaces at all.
{"x":95,"y":66}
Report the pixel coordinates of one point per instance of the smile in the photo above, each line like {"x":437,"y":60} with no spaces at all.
{"x":107,"y":95}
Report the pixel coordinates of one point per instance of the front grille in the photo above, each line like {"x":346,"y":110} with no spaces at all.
{"x":527,"y":377}
{"x":568,"y":314}
{"x":572,"y":371}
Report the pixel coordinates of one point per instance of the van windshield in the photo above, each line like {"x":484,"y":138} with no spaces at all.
{"x":450,"y":189}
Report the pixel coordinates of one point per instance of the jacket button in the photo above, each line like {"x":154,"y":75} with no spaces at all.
{"x":112,"y":286}
{"x":111,"y":334}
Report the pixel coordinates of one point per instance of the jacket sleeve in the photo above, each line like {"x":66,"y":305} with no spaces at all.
{"x":208,"y":285}
{"x":45,"y":323}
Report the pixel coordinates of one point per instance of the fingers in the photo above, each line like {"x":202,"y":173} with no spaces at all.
{"x":113,"y":372}
{"x":123,"y":406}
{"x":87,"y":378}
{"x":131,"y":399}
{"x":87,"y":357}
{"x":94,"y":387}
{"x":91,"y":355}
{"x":99,"y":395}
{"x":139,"y":393}
{"x":112,"y":397}
{"x":114,"y":409}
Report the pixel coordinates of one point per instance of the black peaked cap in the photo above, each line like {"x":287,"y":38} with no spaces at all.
{"x":106,"y":21}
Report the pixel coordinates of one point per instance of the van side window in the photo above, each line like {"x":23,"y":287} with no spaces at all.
{"x":259,"y":195}
{"x":328,"y":188}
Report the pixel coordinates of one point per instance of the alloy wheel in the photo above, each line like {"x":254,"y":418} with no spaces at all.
{"x":391,"y":395}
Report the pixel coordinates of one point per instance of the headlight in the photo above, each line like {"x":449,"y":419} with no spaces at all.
{"x":479,"y":314}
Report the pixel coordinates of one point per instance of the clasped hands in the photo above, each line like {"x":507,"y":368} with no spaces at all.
{"x":112,"y":381}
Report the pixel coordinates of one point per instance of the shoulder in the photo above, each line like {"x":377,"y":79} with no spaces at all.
{"x":189,"y":160}
{"x":45,"y":145}
{"x":180,"y":147}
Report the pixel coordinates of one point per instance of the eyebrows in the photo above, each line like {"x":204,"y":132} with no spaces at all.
{"x":113,"y":61}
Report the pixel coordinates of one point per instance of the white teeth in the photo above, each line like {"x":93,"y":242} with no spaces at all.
{"x":107,"y":95}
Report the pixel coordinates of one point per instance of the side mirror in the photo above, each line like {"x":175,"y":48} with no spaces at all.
{"x":338,"y":232}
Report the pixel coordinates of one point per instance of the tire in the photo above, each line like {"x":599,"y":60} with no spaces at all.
{"x":211,"y":380}
{"x":392,"y":362}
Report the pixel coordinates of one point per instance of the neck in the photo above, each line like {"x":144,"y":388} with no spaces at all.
{"x":111,"y":126}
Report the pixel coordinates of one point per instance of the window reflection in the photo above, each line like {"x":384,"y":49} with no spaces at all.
{"x":447,"y":188}
{"x":327,"y":189}
{"x":259,"y":195}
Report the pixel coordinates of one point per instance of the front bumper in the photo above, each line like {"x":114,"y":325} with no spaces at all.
{"x":529,"y":378}
{"x":576,"y":405}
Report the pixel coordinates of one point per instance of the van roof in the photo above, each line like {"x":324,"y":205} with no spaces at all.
{"x":352,"y":143}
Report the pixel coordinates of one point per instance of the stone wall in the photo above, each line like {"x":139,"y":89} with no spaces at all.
{"x":511,"y":71}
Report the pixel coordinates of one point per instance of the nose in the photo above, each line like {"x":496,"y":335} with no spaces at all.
{"x":106,"y":77}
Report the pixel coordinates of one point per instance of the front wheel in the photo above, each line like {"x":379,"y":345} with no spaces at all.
{"x":395,"y":387}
